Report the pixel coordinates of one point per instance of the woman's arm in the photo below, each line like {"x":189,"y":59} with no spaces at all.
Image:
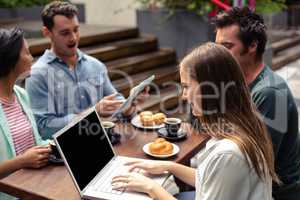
{"x":140,"y":183}
{"x":35,"y":157}
{"x":184,"y":173}
{"x":159,"y":193}
{"x":9,"y":166}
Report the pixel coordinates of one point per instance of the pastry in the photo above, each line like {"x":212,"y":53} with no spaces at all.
{"x":161,"y":147}
{"x":147,"y":121}
{"x":146,"y":118}
{"x":159,"y":118}
{"x":145,"y":113}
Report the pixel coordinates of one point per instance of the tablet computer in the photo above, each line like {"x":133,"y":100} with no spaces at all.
{"x":134,"y":92}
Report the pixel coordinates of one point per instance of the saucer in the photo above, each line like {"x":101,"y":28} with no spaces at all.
{"x":176,"y":150}
{"x":56,"y":161}
{"x":181,"y":134}
{"x":115,"y":138}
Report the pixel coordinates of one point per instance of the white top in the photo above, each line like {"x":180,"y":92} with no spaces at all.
{"x":223,"y":174}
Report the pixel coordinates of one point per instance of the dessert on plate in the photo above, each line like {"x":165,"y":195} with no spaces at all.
{"x":161,"y":147}
{"x":147,"y":118}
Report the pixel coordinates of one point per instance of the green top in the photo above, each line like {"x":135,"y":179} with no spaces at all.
{"x":7,"y":150}
{"x":275,"y":102}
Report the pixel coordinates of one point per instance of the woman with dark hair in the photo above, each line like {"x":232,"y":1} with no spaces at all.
{"x":20,"y":142}
{"x":237,"y":162}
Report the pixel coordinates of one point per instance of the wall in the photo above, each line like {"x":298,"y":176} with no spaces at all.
{"x":109,"y":12}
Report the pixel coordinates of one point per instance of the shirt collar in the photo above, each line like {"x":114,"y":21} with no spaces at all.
{"x":50,"y":56}
{"x":258,"y":78}
{"x":80,"y":55}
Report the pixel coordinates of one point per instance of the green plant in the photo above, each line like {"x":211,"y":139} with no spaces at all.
{"x":21,"y":3}
{"x":201,"y":7}
{"x":269,"y":6}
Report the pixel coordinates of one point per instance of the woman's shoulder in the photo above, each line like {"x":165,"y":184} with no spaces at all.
{"x":21,"y":93}
{"x":223,"y":154}
{"x":219,"y":147}
{"x":20,"y":90}
{"x":225,"y":168}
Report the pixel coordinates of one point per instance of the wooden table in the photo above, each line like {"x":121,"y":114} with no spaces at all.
{"x":54,"y":182}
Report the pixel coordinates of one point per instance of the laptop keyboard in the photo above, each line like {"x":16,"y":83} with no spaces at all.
{"x":102,"y":185}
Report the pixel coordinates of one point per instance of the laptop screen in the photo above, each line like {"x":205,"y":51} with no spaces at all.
{"x":86,"y":149}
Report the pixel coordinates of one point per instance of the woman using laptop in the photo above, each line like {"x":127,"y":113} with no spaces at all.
{"x":237,"y":162}
{"x":20,"y":143}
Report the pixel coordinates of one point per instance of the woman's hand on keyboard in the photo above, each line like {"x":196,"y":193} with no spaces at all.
{"x":152,"y":167}
{"x":133,"y":182}
{"x":139,"y":183}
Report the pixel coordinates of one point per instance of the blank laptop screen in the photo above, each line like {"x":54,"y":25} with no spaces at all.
{"x":86,"y":149}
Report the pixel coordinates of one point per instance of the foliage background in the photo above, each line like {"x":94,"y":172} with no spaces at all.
{"x":201,"y":7}
{"x":22,"y":3}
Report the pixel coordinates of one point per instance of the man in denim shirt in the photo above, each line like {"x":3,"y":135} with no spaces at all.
{"x":65,"y":81}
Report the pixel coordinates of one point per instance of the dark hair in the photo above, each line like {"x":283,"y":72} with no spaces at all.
{"x":214,"y":64}
{"x":11,"y":43}
{"x":252,"y":27}
{"x":57,"y":8}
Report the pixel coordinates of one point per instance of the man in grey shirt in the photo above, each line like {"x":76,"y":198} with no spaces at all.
{"x":65,"y":81}
{"x":244,"y":34}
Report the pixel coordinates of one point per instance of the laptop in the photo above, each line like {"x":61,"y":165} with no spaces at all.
{"x":91,"y":160}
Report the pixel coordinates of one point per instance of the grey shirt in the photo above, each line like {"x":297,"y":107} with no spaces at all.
{"x":275,"y":102}
{"x":223,"y":173}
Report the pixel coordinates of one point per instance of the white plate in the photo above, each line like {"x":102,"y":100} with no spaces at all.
{"x":135,"y":121}
{"x":175,"y":151}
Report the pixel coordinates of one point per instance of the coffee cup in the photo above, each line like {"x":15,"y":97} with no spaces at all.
{"x":109,"y":128}
{"x":172,"y":126}
{"x":54,"y":149}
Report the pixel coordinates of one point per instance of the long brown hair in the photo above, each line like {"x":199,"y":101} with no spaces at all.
{"x":212,"y":63}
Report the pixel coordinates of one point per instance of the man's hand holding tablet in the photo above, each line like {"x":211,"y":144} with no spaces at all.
{"x":137,"y":95}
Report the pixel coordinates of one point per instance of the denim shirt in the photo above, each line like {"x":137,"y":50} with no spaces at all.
{"x":58,"y":93}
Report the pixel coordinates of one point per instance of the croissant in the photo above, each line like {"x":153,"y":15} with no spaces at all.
{"x":159,"y":118}
{"x":161,"y":147}
{"x":147,"y":120}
